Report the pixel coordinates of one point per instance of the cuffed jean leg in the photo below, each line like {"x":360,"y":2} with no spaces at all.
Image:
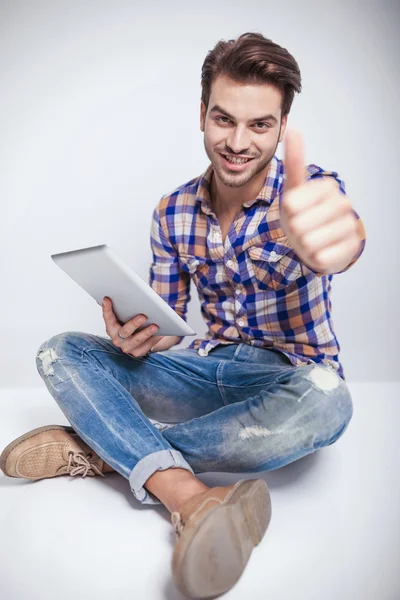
{"x":147,"y":466}
{"x":101,"y":409}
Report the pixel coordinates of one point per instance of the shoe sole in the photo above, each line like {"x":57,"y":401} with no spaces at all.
{"x":26,"y":436}
{"x":213,"y":556}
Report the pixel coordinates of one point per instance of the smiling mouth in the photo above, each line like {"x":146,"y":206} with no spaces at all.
{"x":233,"y":160}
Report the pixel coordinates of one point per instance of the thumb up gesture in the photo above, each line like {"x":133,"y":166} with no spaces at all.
{"x":315,"y":216}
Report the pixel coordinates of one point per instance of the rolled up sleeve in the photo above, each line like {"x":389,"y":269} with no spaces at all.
{"x":165,"y":276}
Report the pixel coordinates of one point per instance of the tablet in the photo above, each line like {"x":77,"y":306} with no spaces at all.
{"x":101,"y":272}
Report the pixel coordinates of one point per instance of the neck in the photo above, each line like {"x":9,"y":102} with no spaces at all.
{"x":228,"y":200}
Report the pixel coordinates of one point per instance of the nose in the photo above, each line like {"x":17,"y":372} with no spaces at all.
{"x":238,"y":140}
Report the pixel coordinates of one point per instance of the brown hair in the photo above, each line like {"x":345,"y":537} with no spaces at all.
{"x":252,"y":59}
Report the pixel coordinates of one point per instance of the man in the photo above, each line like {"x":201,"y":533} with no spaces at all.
{"x":261,"y":238}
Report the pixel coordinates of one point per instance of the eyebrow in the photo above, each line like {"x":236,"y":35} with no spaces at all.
{"x":217,"y":108}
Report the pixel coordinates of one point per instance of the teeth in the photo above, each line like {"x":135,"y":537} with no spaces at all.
{"x":236,"y":161}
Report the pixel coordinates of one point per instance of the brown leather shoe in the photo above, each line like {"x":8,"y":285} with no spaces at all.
{"x":51,"y":451}
{"x":216,"y":533}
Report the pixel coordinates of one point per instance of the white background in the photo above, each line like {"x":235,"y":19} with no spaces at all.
{"x":99,"y":117}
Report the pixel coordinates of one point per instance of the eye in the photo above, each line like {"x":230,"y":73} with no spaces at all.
{"x":224,"y":120}
{"x":219,"y":119}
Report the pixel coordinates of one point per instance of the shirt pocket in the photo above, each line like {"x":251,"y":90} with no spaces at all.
{"x":275,"y":266}
{"x":197,"y":267}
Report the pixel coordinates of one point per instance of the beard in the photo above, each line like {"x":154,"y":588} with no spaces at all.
{"x":236,"y":180}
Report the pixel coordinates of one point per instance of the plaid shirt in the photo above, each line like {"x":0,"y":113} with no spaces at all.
{"x":252,"y":288}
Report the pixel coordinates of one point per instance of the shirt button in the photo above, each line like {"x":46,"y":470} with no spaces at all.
{"x":241,"y":322}
{"x":273,"y":255}
{"x":237,"y":291}
{"x":229,"y":263}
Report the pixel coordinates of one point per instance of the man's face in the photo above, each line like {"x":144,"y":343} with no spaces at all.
{"x":234,"y":125}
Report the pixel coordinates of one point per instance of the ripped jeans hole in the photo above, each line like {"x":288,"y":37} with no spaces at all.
{"x":254,"y":431}
{"x":323,"y":379}
{"x":47,"y":357}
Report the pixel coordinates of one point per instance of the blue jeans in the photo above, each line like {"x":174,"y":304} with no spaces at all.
{"x":239,"y":409}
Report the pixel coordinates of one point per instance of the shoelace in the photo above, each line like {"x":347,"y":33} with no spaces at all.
{"x":176,"y":517}
{"x":177,"y":523}
{"x":78,"y":464}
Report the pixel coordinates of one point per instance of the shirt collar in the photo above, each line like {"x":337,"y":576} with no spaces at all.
{"x":268,"y":192}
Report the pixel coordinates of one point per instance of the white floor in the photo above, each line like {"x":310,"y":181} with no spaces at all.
{"x":334,"y":532}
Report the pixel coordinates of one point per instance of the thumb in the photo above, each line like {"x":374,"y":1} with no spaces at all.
{"x":294,"y":159}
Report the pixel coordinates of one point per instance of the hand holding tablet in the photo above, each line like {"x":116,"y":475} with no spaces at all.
{"x":127,"y":337}
{"x":101,"y":272}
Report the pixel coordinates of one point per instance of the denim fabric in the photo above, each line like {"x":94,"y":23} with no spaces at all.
{"x":240,"y":409}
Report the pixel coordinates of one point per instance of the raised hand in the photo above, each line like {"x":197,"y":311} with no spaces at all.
{"x":315,"y":216}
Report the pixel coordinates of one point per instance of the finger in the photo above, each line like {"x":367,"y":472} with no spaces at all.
{"x":128,"y":341}
{"x":132,"y":325}
{"x":294,"y":160}
{"x":334,"y":253}
{"x":108,"y":313}
{"x":329,"y":234}
{"x":141,"y":337}
{"x":318,"y":191}
{"x":139,"y":350}
{"x":111,"y":321}
{"x":317,"y":205}
{"x":134,"y":340}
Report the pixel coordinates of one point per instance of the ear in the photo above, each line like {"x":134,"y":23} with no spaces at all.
{"x":202,"y":115}
{"x":283,"y":128}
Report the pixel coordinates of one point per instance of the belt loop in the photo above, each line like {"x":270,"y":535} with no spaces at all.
{"x":237,"y":351}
